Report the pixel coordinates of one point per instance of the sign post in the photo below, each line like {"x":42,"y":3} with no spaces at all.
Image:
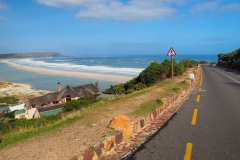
{"x":172,"y":53}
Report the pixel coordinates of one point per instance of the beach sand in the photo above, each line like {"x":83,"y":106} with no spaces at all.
{"x":22,"y":91}
{"x":72,"y":74}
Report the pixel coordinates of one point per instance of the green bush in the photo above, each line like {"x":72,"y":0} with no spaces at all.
{"x":189,"y":63}
{"x":119,"y":89}
{"x":78,"y":104}
{"x":139,"y":86}
{"x":179,"y":69}
{"x":148,"y":107}
{"x":153,"y":73}
{"x":230,"y":60}
{"x":8,"y":124}
{"x":156,"y":71}
{"x":8,"y":100}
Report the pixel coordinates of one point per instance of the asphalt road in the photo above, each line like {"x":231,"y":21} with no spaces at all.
{"x":216,"y":132}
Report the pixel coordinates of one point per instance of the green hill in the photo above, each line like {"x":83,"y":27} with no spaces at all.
{"x":230,"y":60}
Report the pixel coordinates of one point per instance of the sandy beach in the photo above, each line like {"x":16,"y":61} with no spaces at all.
{"x":19,"y":90}
{"x":71,"y":74}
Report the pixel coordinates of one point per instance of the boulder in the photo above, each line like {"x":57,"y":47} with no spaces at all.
{"x":122,"y":123}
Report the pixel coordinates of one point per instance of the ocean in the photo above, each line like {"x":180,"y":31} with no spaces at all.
{"x":125,"y":66}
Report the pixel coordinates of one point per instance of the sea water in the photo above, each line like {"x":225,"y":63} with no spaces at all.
{"x":126,"y":66}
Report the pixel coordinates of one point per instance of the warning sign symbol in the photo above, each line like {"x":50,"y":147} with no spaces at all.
{"x":171,"y":52}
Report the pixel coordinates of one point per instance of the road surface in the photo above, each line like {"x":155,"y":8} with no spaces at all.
{"x":206,"y":128}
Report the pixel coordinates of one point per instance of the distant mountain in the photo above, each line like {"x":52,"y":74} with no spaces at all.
{"x":29,"y":55}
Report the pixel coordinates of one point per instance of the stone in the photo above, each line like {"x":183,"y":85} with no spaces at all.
{"x":89,"y":154}
{"x":142,"y":123}
{"x":99,"y":149}
{"x":122,"y":123}
{"x":119,"y":137}
{"x":108,"y":144}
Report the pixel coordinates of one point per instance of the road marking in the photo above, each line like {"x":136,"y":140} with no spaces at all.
{"x":198,"y":98}
{"x":188,"y":152}
{"x":229,"y":77}
{"x":194,"y":117}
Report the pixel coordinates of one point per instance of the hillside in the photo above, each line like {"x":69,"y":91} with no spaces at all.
{"x":230,"y":60}
{"x":29,"y":55}
{"x":90,"y":124}
{"x":80,"y":126}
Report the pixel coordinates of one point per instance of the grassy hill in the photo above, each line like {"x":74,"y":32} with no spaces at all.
{"x":230,"y":60}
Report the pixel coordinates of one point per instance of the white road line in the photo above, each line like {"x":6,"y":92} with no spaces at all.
{"x":229,"y":77}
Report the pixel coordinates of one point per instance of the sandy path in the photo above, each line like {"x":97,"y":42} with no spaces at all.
{"x":72,"y":74}
{"x":70,"y":141}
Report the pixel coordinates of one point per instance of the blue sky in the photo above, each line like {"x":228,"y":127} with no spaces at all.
{"x":119,"y":27}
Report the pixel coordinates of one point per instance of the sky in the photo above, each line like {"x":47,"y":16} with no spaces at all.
{"x":119,"y":27}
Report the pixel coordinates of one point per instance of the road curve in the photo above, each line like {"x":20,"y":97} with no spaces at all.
{"x":215,"y":135}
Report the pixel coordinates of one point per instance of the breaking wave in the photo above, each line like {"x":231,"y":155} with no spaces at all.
{"x":66,"y":66}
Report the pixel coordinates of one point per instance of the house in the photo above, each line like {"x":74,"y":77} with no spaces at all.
{"x":63,"y":95}
{"x":7,"y":108}
{"x":4,"y":109}
{"x":27,"y":114}
{"x":20,"y":114}
{"x":17,"y":107}
{"x":32,"y":114}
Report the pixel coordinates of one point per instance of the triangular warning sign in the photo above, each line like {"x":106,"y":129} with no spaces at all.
{"x":171,"y":52}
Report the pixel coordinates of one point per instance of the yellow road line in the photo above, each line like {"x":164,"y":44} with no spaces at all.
{"x":198,"y":98}
{"x":188,"y":152}
{"x":194,"y":117}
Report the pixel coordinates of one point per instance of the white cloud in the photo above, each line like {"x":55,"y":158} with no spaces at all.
{"x":67,"y":3}
{"x":231,"y":7}
{"x":117,"y":9}
{"x":209,"y":6}
{"x":2,"y":6}
{"x":2,"y":18}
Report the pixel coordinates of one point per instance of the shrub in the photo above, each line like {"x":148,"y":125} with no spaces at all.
{"x":116,"y":89}
{"x":119,"y":89}
{"x":179,"y":69}
{"x":8,"y":100}
{"x":156,"y":71}
{"x":147,"y":107}
{"x":153,"y":73}
{"x":139,"y":86}
{"x":230,"y":60}
{"x":203,"y":62}
{"x":189,"y":63}
{"x":78,"y":104}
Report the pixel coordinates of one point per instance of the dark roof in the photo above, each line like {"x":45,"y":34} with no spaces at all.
{"x":89,"y":90}
{"x":4,"y":109}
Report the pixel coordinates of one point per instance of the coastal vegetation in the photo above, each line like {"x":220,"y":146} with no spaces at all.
{"x":148,"y":107}
{"x":78,"y":104}
{"x":89,"y":111}
{"x":230,"y":60}
{"x":8,"y":123}
{"x":155,"y":72}
{"x":10,"y":100}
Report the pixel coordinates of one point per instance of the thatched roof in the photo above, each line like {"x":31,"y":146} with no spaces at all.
{"x":89,"y":90}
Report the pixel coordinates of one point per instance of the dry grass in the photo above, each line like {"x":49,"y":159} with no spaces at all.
{"x":4,"y":84}
{"x":91,"y":124}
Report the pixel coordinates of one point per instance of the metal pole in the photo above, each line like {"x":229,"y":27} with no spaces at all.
{"x":172,"y":67}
